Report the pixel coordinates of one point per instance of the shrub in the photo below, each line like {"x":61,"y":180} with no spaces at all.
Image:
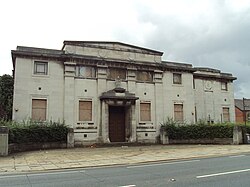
{"x":30,"y":131}
{"x":197,"y":131}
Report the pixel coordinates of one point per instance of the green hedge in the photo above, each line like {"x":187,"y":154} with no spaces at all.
{"x":175,"y":131}
{"x":245,"y":129}
{"x":28,"y":132}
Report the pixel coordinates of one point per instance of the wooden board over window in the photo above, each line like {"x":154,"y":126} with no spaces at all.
{"x":144,"y":76}
{"x":177,"y":78}
{"x":39,"y":107}
{"x":226,"y":116}
{"x":145,"y":111}
{"x":178,"y":112}
{"x":85,"y":110}
{"x":114,"y":73}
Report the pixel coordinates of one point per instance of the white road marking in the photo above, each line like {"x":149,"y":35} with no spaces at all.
{"x":12,"y":176}
{"x":160,"y":164}
{"x":223,"y":173}
{"x":54,"y":173}
{"x":236,"y":156}
{"x":42,"y":174}
{"x":132,"y":185}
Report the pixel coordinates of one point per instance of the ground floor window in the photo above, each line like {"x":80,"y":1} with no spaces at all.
{"x":145,"y":111}
{"x":226,"y":117}
{"x":178,"y":112}
{"x":39,"y":108}
{"x":85,"y":110}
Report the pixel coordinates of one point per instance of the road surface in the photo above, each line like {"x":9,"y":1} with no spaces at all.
{"x":221,"y":171}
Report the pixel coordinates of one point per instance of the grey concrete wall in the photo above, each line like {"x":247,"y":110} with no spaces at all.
{"x":4,"y":138}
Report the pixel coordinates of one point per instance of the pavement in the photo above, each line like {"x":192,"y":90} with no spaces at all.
{"x":56,"y":159}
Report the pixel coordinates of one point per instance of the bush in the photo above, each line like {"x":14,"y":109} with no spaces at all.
{"x":197,"y":131}
{"x":30,"y":131}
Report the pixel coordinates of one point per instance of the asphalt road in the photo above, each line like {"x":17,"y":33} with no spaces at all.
{"x":221,"y":171}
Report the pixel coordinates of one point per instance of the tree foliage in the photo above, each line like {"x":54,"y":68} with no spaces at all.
{"x":6,"y":96}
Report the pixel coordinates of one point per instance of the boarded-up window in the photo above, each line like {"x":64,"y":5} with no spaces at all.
{"x":40,"y":68}
{"x":145,"y":111}
{"x":177,"y":78}
{"x":39,"y":109}
{"x":144,"y":76}
{"x":85,"y":110}
{"x":178,"y":112}
{"x":226,"y":116}
{"x":224,"y":86}
{"x":115,"y":73}
{"x":86,"y":72}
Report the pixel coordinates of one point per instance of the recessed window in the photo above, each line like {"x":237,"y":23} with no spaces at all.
{"x":224,"y":86}
{"x":144,"y":76}
{"x":86,"y":72}
{"x":39,"y":108}
{"x":178,"y":112}
{"x":85,"y":110}
{"x":115,"y":73}
{"x":145,"y":111}
{"x":226,"y":117}
{"x":40,"y":68}
{"x":193,"y":83}
{"x":177,"y":78}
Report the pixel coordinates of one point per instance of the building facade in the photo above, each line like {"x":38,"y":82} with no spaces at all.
{"x":116,"y":92}
{"x":242,"y":110}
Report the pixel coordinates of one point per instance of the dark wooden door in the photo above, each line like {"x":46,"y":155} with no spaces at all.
{"x":116,"y":124}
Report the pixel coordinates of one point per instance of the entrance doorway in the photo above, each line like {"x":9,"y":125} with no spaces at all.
{"x":116,"y":124}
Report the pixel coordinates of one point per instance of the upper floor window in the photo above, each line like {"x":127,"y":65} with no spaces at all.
{"x":144,"y":76}
{"x":40,"y":68}
{"x":86,"y":72}
{"x":224,"y":86}
{"x":177,"y":78}
{"x":115,"y":73}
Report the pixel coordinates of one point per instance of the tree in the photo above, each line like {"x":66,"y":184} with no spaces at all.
{"x":6,"y":96}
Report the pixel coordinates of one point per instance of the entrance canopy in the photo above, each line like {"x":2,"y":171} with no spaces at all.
{"x":118,"y":96}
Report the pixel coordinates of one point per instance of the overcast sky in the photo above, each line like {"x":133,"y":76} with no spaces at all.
{"x":207,"y":33}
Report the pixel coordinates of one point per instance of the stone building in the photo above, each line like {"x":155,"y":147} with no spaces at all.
{"x":116,"y":92}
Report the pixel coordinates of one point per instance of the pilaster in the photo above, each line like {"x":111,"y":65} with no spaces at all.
{"x":69,"y":93}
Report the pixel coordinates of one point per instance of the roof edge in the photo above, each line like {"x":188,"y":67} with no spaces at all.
{"x":82,"y":43}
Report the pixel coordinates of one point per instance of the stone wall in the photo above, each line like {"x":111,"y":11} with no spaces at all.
{"x":14,"y":148}
{"x":236,"y":140}
{"x":203,"y":141}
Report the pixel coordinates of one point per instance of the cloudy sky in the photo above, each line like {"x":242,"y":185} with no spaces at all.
{"x":208,"y":33}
